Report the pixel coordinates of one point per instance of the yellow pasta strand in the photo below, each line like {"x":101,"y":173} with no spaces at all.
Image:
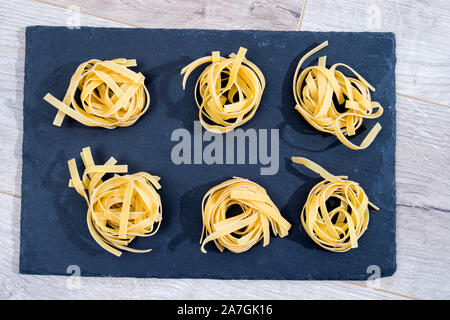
{"x":314,"y":90}
{"x":120,"y":208}
{"x":239,"y":233}
{"x":337,"y":230}
{"x":230,"y":90}
{"x":111,"y":95}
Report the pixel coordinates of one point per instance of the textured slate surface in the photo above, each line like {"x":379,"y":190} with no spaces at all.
{"x":54,"y":234}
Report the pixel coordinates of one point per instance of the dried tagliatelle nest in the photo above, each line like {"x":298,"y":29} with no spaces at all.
{"x":239,"y":233}
{"x":229,"y":90}
{"x":316,"y":87}
{"x":111,"y":95}
{"x":340,"y":228}
{"x":120,"y":208}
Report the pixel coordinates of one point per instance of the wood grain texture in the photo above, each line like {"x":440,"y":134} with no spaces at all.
{"x":423,"y":197}
{"x":423,"y":201}
{"x":199,"y":14}
{"x":423,"y":65}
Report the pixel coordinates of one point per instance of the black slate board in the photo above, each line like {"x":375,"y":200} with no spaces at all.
{"x":54,"y":234}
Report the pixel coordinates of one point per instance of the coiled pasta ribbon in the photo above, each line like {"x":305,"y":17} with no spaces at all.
{"x":314,"y":90}
{"x":337,"y":230}
{"x":239,"y":233}
{"x":119,"y":208}
{"x":111,"y":95}
{"x":230,"y":90}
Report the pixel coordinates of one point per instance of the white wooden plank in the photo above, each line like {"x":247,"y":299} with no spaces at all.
{"x":237,"y":14}
{"x":423,"y":201}
{"x":423,"y":157}
{"x":422,"y":254}
{"x":421,"y":29}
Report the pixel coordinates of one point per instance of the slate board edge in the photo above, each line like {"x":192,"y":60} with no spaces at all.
{"x":30,"y":29}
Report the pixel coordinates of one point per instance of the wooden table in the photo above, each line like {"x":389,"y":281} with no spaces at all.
{"x":423,"y":138}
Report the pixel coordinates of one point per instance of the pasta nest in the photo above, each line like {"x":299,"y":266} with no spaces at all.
{"x":239,"y":233}
{"x":314,"y":90}
{"x":338,"y":229}
{"x":120,"y":208}
{"x":230,"y":90}
{"x":111,"y":95}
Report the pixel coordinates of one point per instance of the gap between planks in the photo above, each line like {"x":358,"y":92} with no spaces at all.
{"x":302,"y":14}
{"x":422,"y":100}
{"x":11,"y":194}
{"x":50,"y":3}
{"x":357,"y":283}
